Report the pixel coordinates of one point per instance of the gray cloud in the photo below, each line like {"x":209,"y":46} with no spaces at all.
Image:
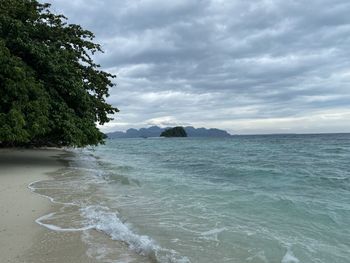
{"x":247,"y":66}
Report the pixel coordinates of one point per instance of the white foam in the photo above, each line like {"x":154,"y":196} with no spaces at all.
{"x":104,"y":220}
{"x":213,"y":234}
{"x":32,"y":189}
{"x":214,"y":231}
{"x":289,"y":257}
{"x":57,"y":228}
{"x":108,"y":222}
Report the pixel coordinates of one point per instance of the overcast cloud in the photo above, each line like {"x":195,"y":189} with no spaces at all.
{"x":260,"y":66}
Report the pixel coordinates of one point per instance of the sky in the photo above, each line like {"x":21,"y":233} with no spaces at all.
{"x":258,"y":66}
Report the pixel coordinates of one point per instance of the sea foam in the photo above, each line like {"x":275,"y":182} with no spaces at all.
{"x":289,"y":257}
{"x":103,"y":219}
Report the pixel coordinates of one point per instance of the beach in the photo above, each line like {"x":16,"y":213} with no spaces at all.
{"x":254,"y":199}
{"x":21,"y":238}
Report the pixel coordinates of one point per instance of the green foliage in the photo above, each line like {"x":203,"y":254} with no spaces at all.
{"x":174,"y":132}
{"x":51,"y":91}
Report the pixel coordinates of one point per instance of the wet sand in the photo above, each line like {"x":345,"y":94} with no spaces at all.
{"x":21,"y":238}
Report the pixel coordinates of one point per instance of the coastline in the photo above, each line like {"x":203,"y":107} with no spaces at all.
{"x":21,"y":238}
{"x":18,"y":206}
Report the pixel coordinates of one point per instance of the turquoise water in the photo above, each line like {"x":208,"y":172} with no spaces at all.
{"x":276,"y":198}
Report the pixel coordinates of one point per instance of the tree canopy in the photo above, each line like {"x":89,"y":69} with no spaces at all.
{"x":51,"y":90}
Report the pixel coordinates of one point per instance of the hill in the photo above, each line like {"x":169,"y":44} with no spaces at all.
{"x":174,"y":132}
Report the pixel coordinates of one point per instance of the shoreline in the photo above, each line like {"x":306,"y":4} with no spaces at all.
{"x":25,"y":240}
{"x":21,"y":238}
{"x":19,"y":207}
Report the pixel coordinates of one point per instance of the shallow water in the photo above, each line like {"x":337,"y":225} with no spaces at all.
{"x":276,"y":198}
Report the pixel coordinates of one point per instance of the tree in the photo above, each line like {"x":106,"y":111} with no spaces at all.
{"x":51,"y":90}
{"x":174,"y":132}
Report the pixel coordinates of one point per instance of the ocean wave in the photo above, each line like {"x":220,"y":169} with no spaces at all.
{"x":82,"y":215}
{"x":102,"y":219}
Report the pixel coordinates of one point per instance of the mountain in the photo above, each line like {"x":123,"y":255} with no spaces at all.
{"x":155,"y":131}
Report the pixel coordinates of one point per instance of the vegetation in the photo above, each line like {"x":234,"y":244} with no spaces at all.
{"x":174,"y":132}
{"x":51,"y":91}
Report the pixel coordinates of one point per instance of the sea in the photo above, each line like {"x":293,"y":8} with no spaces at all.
{"x":256,"y":199}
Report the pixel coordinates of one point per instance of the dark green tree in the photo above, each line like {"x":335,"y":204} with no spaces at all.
{"x":51,"y":90}
{"x":174,"y":132}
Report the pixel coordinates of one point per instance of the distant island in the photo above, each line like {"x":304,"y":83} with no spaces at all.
{"x":155,"y":131}
{"x":174,"y":132}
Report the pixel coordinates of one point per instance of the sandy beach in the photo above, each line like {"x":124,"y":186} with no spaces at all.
{"x":21,"y":238}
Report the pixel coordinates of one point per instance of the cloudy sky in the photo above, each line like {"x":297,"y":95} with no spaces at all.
{"x":259,"y":66}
